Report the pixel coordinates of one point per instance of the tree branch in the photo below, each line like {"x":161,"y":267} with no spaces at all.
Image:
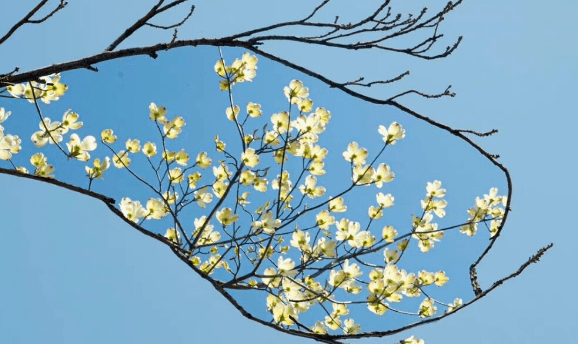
{"x":143,"y":21}
{"x":27,"y":20}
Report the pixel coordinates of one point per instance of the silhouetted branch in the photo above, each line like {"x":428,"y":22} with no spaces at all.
{"x":156,"y":9}
{"x":488,"y":133}
{"x":379,"y":82}
{"x":174,"y":26}
{"x":27,"y":20}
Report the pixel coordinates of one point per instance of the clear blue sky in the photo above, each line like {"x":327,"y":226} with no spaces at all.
{"x":74,"y":272}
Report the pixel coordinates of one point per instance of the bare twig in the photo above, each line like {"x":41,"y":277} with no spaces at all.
{"x":488,"y":133}
{"x":156,"y":9}
{"x":173,"y":26}
{"x":27,"y":20}
{"x":379,"y":82}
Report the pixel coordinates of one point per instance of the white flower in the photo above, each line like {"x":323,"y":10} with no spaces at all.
{"x":78,"y":149}
{"x":267,"y":223}
{"x":49,"y":133}
{"x":3,"y":116}
{"x":9,"y":144}
{"x":392,"y":134}
{"x":132,"y":210}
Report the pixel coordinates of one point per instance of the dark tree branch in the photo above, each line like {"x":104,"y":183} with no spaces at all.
{"x":113,"y":55}
{"x":335,"y":35}
{"x":27,"y":20}
{"x":110,"y":203}
{"x":3,"y":76}
{"x":143,"y":21}
{"x":379,"y":82}
{"x":174,"y":26}
{"x":488,"y":133}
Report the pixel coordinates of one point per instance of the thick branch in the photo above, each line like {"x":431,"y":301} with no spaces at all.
{"x":87,"y":62}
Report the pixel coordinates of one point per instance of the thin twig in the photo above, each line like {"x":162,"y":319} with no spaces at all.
{"x":26,"y":19}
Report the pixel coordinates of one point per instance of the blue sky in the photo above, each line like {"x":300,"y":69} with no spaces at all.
{"x":77,"y":273}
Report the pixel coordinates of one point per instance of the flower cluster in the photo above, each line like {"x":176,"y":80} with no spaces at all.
{"x":47,"y":89}
{"x":241,"y":70}
{"x":425,"y":231}
{"x":490,"y":208}
{"x":282,"y":235}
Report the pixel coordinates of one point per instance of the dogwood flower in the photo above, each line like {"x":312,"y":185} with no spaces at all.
{"x":355,"y":154}
{"x":412,"y":340}
{"x":219,"y":188}
{"x":133,"y":146}
{"x":193,"y":179}
{"x":226,"y":216}
{"x":305,"y":105}
{"x":267,"y":223}
{"x":385,"y":201}
{"x":202,"y":197}
{"x":170,"y":197}
{"x":295,"y":91}
{"x":382,"y":175}
{"x":284,"y":314}
{"x":233,"y":113}
{"x":3,"y":116}
{"x":108,"y":136}
{"x":260,"y":184}
{"x":332,"y":322}
{"x":427,"y":308}
{"x":203,"y":160}
{"x":285,"y":267}
{"x":300,"y":240}
{"x":9,"y":144}
{"x":173,"y":235}
{"x":280,"y":122}
{"x":272,"y":282}
{"x":99,"y":168}
{"x":121,"y":159}
{"x":340,"y":309}
{"x":375,"y":213}
{"x":70,"y":121}
{"x":50,"y":132}
{"x":310,"y":188}
{"x":350,"y":327}
{"x":363,"y":175}
{"x":182,"y":157}
{"x":149,"y":149}
{"x":441,"y":278}
{"x":389,"y":234}
{"x":176,"y":175}
{"x":391,"y":256}
{"x":43,"y":169}
{"x":249,"y":157}
{"x":392,"y":134}
{"x":156,"y":209}
{"x":336,"y":205}
{"x":324,"y":219}
{"x":78,"y":149}
{"x":132,"y":210}
{"x":325,"y":247}
{"x":319,"y":328}
{"x":254,"y":110}
{"x":434,"y":189}
{"x":455,"y":305}
{"x":222,"y":172}
{"x":157,"y":113}
{"x":173,"y":128}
